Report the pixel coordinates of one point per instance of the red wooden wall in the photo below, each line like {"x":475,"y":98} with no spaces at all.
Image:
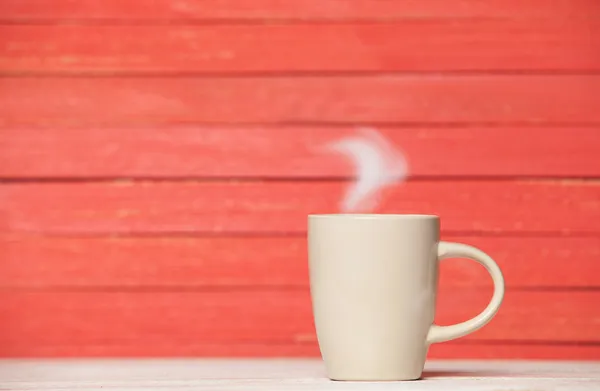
{"x":157,"y":163}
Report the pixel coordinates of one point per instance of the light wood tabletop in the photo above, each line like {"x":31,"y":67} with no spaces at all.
{"x":286,"y":374}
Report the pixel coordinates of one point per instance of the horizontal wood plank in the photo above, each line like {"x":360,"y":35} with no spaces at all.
{"x":416,"y":45}
{"x":292,"y":152}
{"x":137,"y":321}
{"x":567,"y":207}
{"x":447,"y":350}
{"x":185,"y":10}
{"x":194,"y":263}
{"x":65,"y":101}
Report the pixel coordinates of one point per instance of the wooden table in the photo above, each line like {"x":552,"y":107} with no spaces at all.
{"x":286,"y":374}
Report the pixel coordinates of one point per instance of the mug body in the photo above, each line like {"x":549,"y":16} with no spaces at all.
{"x":373,"y":281}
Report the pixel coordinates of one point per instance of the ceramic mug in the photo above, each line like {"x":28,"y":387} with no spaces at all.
{"x":373,"y":281}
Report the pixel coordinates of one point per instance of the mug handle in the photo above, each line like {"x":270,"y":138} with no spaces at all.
{"x":457,"y":250}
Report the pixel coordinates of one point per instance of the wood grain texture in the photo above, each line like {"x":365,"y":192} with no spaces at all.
{"x":382,"y":10}
{"x":292,"y":152}
{"x":281,"y":207}
{"x":287,"y":374}
{"x":278,"y":262}
{"x":489,"y":45}
{"x":146,"y":321}
{"x":72,"y":102}
{"x":164,"y":155}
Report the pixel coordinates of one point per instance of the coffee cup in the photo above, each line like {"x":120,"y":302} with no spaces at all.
{"x":373,"y":282}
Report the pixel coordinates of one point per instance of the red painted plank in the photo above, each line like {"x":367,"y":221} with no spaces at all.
{"x":252,"y":207}
{"x":415,"y":45}
{"x":292,"y":152}
{"x":447,"y":350}
{"x":192,"y":263}
{"x":139,"y":320}
{"x":114,"y":101}
{"x":118,"y":10}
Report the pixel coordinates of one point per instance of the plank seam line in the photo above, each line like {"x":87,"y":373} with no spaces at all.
{"x":257,"y":179}
{"x":257,"y":21}
{"x":299,"y":126}
{"x":175,"y":74}
{"x":310,"y":123}
{"x":123,"y":289}
{"x":310,"y":342}
{"x":153,"y":235}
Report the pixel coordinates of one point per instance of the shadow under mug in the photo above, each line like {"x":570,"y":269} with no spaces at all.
{"x":373,"y":282}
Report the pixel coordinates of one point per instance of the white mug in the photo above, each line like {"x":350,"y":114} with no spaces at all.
{"x":373,"y":282}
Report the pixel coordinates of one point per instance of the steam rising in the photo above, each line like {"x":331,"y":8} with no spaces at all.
{"x":377,"y":165}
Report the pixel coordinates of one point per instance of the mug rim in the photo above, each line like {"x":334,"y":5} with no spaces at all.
{"x":397,"y":216}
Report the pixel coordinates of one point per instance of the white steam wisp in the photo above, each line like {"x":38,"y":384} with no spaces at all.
{"x":377,"y":165}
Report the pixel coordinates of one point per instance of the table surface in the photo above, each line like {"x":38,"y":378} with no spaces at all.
{"x":286,"y":374}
